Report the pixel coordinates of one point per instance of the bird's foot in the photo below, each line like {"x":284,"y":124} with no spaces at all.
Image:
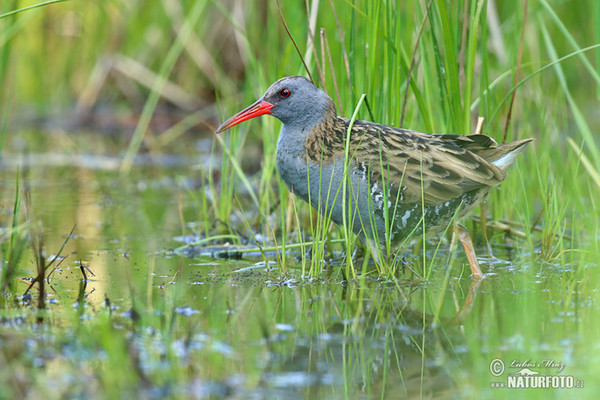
{"x":462,"y":233}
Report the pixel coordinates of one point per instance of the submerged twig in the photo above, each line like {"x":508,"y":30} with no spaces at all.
{"x":40,"y":261}
{"x":55,"y":268}
{"x":38,"y":251}
{"x":84,"y":268}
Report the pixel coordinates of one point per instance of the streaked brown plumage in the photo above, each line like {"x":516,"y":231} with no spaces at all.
{"x":446,"y":165}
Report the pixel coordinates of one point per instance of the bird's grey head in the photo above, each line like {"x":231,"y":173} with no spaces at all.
{"x":294,"y":100}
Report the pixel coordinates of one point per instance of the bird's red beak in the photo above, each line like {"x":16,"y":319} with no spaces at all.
{"x":261,"y":107}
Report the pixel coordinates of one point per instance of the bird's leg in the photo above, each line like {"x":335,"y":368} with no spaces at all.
{"x":469,"y":302}
{"x":484,"y":230}
{"x":462,"y":233}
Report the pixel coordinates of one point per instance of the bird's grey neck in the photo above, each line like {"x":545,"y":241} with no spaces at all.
{"x":294,"y":132}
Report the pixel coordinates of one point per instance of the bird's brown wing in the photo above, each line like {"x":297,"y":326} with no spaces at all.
{"x":441,"y":167}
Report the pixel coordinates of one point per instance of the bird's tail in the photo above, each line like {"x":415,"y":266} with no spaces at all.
{"x":507,"y":153}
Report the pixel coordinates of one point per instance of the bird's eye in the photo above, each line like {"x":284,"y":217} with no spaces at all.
{"x":285,"y":93}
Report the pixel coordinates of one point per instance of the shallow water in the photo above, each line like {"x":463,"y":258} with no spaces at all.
{"x":206,"y":326}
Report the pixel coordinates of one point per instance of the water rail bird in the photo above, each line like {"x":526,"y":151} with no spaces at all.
{"x":392,"y":183}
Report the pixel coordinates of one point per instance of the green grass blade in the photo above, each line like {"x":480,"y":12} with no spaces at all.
{"x":32,"y":7}
{"x":163,"y":74}
{"x":583,"y":128}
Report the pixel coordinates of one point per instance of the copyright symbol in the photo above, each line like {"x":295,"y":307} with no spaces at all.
{"x":496,"y":367}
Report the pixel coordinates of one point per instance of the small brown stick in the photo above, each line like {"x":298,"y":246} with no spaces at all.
{"x":55,"y":267}
{"x":335,"y":86}
{"x":294,"y":42}
{"x":29,"y":283}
